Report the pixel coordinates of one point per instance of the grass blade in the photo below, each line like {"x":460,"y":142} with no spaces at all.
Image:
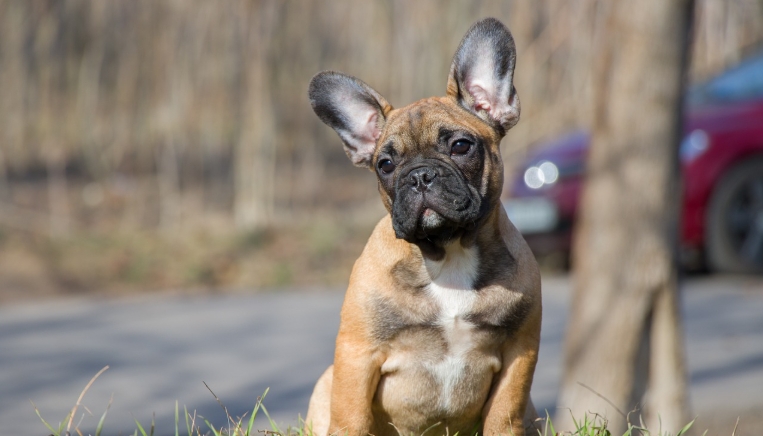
{"x":50,"y":427}
{"x":686,"y":427}
{"x":211,"y":427}
{"x":254,"y":412}
{"x":272,"y":423}
{"x":140,"y":427}
{"x":549,"y":425}
{"x":431,"y":427}
{"x":177,"y":432}
{"x":82,"y":395}
{"x":187,"y":422}
{"x":99,"y":427}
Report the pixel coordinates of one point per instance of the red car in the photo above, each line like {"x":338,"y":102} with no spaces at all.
{"x":722,"y":164}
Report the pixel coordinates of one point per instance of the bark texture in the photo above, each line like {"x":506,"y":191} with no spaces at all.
{"x":624,"y":348}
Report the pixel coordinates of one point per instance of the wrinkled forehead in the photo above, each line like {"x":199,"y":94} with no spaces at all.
{"x":422,"y":123}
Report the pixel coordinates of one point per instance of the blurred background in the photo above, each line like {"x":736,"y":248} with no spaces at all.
{"x":148,"y":145}
{"x":170,"y":145}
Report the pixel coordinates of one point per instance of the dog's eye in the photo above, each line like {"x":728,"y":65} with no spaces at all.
{"x":386,"y":166}
{"x":460,"y":147}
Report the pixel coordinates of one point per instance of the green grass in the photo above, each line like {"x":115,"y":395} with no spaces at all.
{"x":194,"y":424}
{"x":596,"y":425}
{"x":191,"y":424}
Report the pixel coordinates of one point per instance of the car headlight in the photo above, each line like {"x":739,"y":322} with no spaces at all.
{"x":693,"y":145}
{"x":545,"y":173}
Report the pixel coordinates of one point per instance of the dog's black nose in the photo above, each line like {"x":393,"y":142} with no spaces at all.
{"x":421,"y":179}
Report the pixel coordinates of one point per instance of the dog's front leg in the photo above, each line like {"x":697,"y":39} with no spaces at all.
{"x":357,"y":368}
{"x":506,"y":411}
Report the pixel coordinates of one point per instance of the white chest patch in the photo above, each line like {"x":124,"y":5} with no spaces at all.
{"x":452,"y":288}
{"x":452,"y":284}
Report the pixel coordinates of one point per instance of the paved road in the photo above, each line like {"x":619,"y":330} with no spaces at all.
{"x":161,"y":348}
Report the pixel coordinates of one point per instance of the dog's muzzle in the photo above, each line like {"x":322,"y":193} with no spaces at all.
{"x":432,"y":201}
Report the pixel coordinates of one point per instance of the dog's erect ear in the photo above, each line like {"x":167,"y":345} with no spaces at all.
{"x":353,"y":109}
{"x":482,"y":74}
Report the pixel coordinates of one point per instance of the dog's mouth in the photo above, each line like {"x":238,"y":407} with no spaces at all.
{"x":433,"y":223}
{"x":434,"y":228}
{"x":431,"y":220}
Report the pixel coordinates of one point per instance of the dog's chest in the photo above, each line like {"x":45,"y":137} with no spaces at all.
{"x":443,"y":338}
{"x":452,"y":292}
{"x":451,"y":360}
{"x":458,"y":336}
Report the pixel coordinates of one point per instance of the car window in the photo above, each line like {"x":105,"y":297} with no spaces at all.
{"x":745,"y":82}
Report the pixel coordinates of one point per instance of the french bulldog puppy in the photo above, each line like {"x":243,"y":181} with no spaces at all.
{"x":441,"y":322}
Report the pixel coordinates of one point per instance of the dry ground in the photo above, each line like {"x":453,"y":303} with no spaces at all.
{"x":34,"y":267}
{"x":119,"y":241}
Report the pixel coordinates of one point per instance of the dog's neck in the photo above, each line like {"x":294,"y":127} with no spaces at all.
{"x":457,"y":269}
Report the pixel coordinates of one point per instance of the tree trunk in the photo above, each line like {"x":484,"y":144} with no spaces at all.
{"x":254,"y":166}
{"x":624,"y":344}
